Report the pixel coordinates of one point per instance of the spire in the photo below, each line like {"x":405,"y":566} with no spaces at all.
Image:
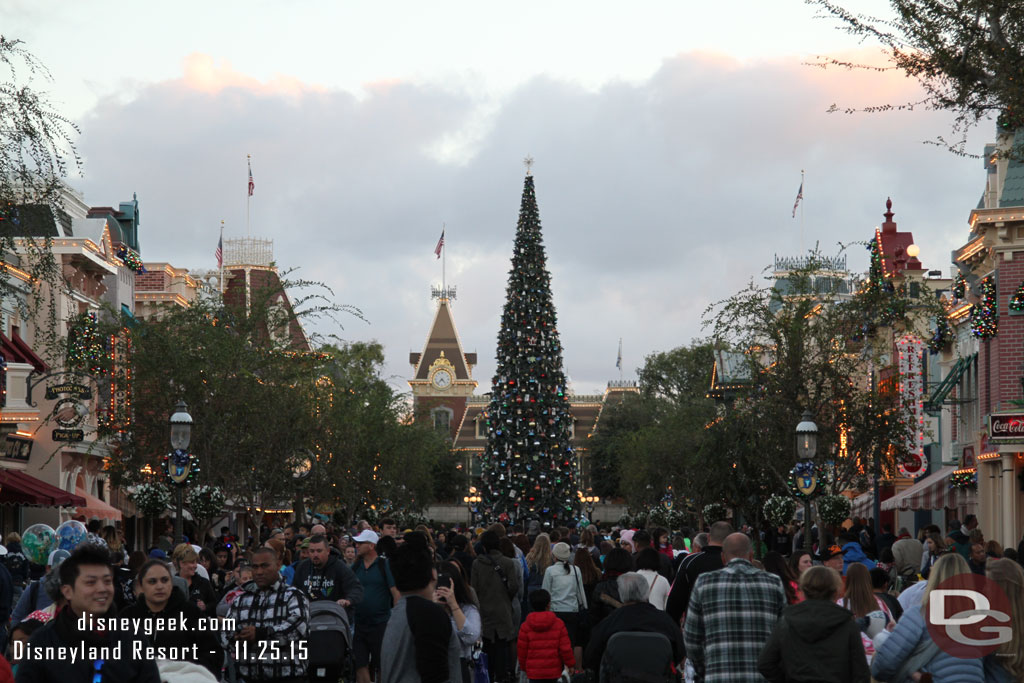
{"x":889,"y":225}
{"x":443,"y":341}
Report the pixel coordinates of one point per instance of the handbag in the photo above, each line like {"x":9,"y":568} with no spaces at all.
{"x":480,"y":671}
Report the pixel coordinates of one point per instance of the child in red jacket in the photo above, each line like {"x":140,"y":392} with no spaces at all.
{"x":544,"y":647}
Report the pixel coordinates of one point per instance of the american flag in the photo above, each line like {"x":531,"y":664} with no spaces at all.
{"x":799,"y":196}
{"x":618,"y":361}
{"x":252,"y":185}
{"x":440,"y":246}
{"x":219,"y":253}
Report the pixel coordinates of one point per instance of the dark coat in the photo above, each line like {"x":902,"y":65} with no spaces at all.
{"x":495,"y":596}
{"x":638,"y":616}
{"x":815,"y":641}
{"x":62,"y":631}
{"x":603,"y":601}
{"x":708,"y":560}
{"x":544,"y":648}
{"x":202,"y":589}
{"x":210,"y":653}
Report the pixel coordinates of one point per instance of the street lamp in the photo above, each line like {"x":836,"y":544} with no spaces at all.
{"x":588,"y":501}
{"x":806,"y":447}
{"x":181,"y":435}
{"x":472,"y":501}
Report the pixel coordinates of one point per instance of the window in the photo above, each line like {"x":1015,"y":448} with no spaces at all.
{"x":481,"y":428}
{"x":442,"y":418}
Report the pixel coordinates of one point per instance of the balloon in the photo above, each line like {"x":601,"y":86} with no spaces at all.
{"x":70,"y":534}
{"x":37,"y":542}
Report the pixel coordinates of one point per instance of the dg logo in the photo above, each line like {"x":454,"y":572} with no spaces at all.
{"x":968,"y":616}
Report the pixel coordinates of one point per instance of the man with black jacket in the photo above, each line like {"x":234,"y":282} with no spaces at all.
{"x":324,"y":576}
{"x":708,"y":560}
{"x":87,"y":584}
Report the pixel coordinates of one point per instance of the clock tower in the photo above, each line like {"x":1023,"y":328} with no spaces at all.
{"x":442,"y":379}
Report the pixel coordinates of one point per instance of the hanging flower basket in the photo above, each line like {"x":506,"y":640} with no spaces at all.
{"x":714,"y":512}
{"x":779,"y":509}
{"x":205,"y":501}
{"x":834,"y":510}
{"x":151,"y":499}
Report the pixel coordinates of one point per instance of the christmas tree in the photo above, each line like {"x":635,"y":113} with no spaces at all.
{"x":529,"y":466}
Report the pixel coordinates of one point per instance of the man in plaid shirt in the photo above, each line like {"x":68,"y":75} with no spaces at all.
{"x":271,"y":620}
{"x":731,"y":614}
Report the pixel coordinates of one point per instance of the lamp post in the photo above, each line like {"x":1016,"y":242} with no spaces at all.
{"x":472,"y":501}
{"x":806,"y":447}
{"x":588,"y":501}
{"x":181,"y":435}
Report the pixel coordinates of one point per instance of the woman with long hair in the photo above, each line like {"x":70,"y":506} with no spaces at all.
{"x":776,"y":564}
{"x":1006,"y":664}
{"x":647,"y":565}
{"x":859,"y":597}
{"x":537,"y":562}
{"x":605,"y":598}
{"x":565,"y":584}
{"x":934,"y":548}
{"x":160,"y":601}
{"x":909,"y":649}
{"x":459,"y":602}
{"x":800,"y":561}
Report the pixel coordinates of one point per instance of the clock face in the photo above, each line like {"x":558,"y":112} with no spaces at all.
{"x":442,"y":379}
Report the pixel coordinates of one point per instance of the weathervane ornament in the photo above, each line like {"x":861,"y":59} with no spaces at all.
{"x":528,"y":162}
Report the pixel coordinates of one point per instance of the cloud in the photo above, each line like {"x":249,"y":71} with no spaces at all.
{"x":657,"y":197}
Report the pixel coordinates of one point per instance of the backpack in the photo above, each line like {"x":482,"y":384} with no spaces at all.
{"x":17,"y":565}
{"x":637,"y":657}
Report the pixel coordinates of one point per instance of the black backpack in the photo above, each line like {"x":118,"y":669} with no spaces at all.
{"x":17,"y":566}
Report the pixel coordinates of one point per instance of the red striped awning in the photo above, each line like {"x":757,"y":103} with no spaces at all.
{"x":24,"y":489}
{"x":931,"y":493}
{"x":862,"y":505}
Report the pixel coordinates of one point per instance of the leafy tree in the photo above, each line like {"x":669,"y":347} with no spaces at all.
{"x":37,"y":152}
{"x":967,"y":54}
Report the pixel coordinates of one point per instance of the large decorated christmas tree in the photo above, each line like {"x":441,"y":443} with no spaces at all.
{"x":528,"y":466}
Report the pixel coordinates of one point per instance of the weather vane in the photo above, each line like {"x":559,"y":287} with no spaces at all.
{"x":528,"y":162}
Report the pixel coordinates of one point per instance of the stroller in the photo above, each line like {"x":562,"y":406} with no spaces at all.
{"x":330,"y":640}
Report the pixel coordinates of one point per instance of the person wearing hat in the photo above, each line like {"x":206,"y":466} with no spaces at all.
{"x":564,"y":583}
{"x":35,"y":597}
{"x":832,"y":557}
{"x":373,"y":612}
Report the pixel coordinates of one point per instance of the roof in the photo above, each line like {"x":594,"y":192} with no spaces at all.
{"x":443,"y":337}
{"x":1013,"y":185}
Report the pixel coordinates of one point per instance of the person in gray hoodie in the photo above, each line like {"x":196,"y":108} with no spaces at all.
{"x":815,"y":641}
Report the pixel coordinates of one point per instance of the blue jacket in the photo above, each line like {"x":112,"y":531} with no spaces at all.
{"x":853,"y":552}
{"x":944,"y":668}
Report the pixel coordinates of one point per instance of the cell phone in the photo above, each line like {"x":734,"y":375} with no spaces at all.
{"x":444,"y":582}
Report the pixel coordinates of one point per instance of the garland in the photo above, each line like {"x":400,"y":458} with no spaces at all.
{"x":779,"y":509}
{"x":1017,"y":300}
{"x":180,"y":459}
{"x":964,"y":480}
{"x":834,"y":510}
{"x":942,"y":337}
{"x":984,"y":321}
{"x":959,"y":287}
{"x":130,"y":259}
{"x":86,"y":350}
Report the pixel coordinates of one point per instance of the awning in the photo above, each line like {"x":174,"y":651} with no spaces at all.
{"x":15,"y":350}
{"x":931,"y":493}
{"x":24,"y":489}
{"x":934,"y":402}
{"x":862,"y":505}
{"x":94,"y":508}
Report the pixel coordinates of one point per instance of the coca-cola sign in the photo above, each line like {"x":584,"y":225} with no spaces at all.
{"x":1006,"y":427}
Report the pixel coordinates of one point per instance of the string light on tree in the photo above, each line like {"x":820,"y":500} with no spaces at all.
{"x":86,"y":350}
{"x":528,"y":466}
{"x":1017,"y":300}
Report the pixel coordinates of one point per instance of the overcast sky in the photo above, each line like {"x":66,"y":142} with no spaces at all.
{"x":668,"y":137}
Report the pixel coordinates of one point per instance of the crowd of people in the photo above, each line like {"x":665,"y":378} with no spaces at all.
{"x":502,"y":603}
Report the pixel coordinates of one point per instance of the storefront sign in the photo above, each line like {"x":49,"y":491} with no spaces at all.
{"x":68,"y":435}
{"x":18,"y":449}
{"x":70,"y":389}
{"x":1006,"y":428}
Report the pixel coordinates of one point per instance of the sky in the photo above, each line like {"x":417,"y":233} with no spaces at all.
{"x":669,"y":139}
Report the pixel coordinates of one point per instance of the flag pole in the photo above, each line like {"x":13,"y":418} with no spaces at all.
{"x":248,"y":195}
{"x":801,"y":214}
{"x":444,"y":278}
{"x":220,"y":279}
